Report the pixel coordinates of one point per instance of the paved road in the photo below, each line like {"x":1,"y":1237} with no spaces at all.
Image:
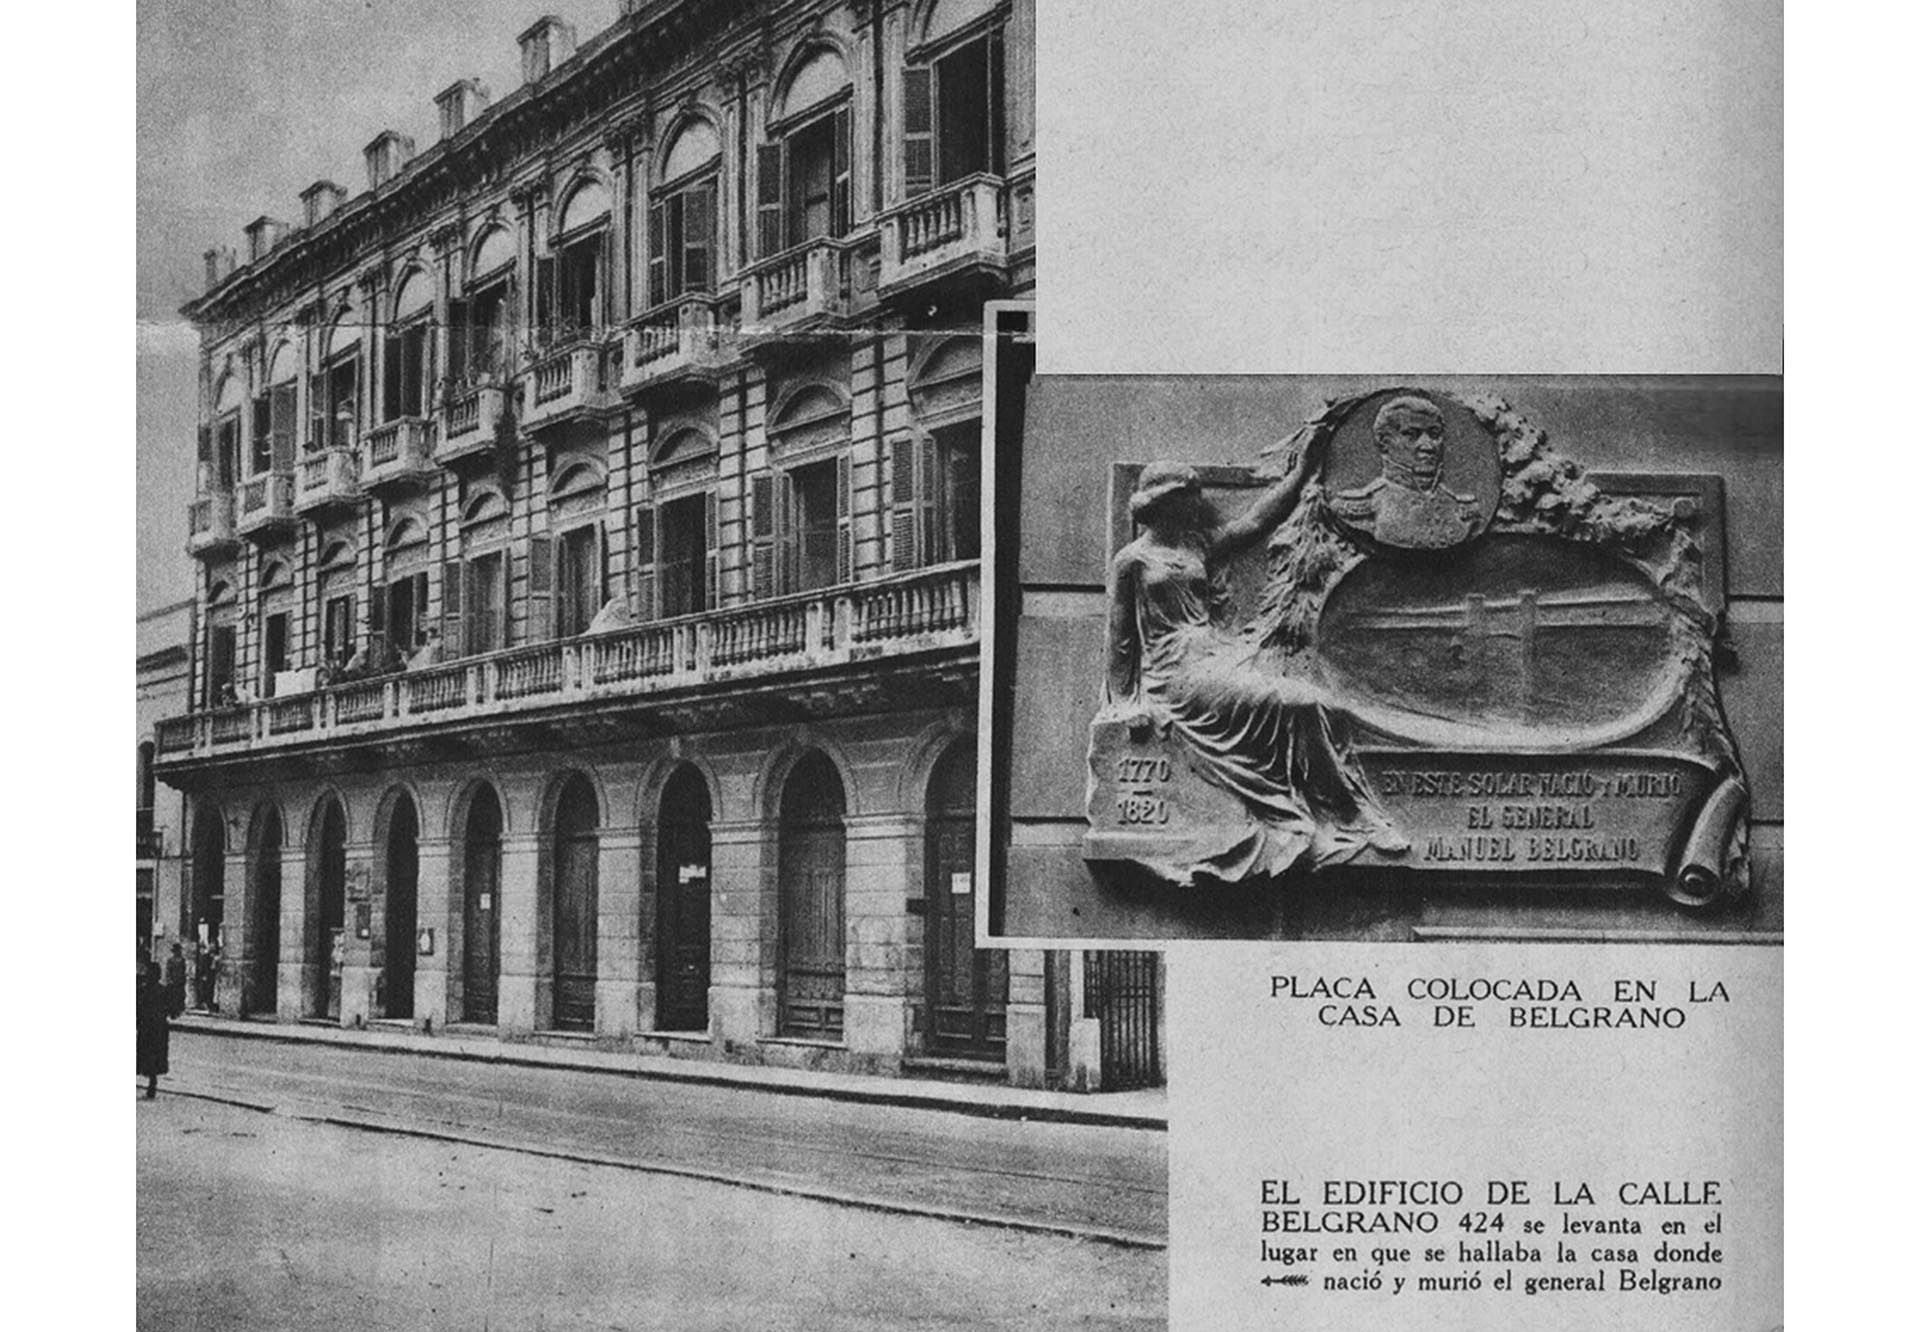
{"x":250,"y":1220}
{"x":1072,"y":1178}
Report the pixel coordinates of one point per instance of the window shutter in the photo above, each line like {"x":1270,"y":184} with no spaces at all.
{"x":452,"y":577}
{"x":317,"y":411}
{"x":916,"y":89}
{"x":906,"y":508}
{"x":392,"y":373}
{"x":696,"y":225}
{"x":712,"y":572}
{"x":997,"y":104}
{"x":377,"y":623}
{"x":763,"y":535}
{"x":539,"y":589}
{"x":842,"y":219}
{"x":657,"y":255}
{"x":843,"y":518}
{"x":601,"y":583}
{"x":543,"y":295}
{"x":786,"y":532}
{"x":420,"y":604}
{"x":935,"y":546}
{"x":772,"y":197}
{"x":263,"y":431}
{"x":282,"y":408}
{"x":459,"y":324}
{"x":647,"y":607}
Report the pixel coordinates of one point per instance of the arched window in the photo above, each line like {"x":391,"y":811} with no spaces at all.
{"x":570,"y":284}
{"x":336,"y":389}
{"x":406,"y":348}
{"x":477,"y":342}
{"x":804,"y":171}
{"x":681,"y":219}
{"x":954,"y":98}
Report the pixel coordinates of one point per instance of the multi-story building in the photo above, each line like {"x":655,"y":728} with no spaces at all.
{"x":587,"y":532}
{"x":161,"y":689}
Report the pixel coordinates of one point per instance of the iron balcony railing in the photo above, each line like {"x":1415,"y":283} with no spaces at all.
{"x":925,"y":610}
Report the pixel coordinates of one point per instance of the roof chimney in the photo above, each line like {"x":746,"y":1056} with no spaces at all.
{"x":546,"y":44}
{"x":219,"y":265}
{"x":263,"y":233}
{"x":385,"y":156}
{"x":459,"y":105}
{"x":320,"y":199}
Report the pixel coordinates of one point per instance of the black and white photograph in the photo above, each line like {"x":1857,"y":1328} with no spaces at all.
{"x":558,"y":671}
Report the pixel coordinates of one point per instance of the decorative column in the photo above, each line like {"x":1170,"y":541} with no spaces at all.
{"x":879,"y":851}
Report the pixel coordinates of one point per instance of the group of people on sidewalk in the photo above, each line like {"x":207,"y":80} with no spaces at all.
{"x":161,"y":996}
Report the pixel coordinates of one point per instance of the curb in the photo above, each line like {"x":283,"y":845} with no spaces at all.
{"x":394,"y":1128}
{"x":653,"y":1070}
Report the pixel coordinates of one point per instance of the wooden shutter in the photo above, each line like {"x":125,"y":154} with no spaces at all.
{"x":843,"y":518}
{"x":763,"y":535}
{"x":906,"y":505}
{"x":543,"y":297}
{"x":377,"y":623}
{"x":284,"y":405}
{"x":657,"y":254}
{"x":997,"y":104}
{"x":786,"y":535}
{"x":317,"y":412}
{"x":696,"y":229}
{"x":842,"y":211}
{"x":392,"y":372}
{"x":263,"y":429}
{"x":712,"y":571}
{"x":539,"y":589}
{"x":772,"y":198}
{"x":459,"y":329}
{"x":916,"y":90}
{"x":452,"y":580}
{"x":644,"y":567}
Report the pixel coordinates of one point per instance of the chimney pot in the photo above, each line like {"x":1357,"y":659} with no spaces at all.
{"x":320,"y":199}
{"x":385,"y":156}
{"x":263,"y":233}
{"x":547,"y":43}
{"x":460,"y":105}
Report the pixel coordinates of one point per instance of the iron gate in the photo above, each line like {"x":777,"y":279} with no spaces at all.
{"x":1123,"y":992}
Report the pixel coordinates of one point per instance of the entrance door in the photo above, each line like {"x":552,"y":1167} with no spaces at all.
{"x":403,"y":911}
{"x":265,"y":927}
{"x":209,"y":901}
{"x":576,"y":906}
{"x":480,"y":947}
{"x":327,"y":908}
{"x":686,"y":903}
{"x":966,"y":987}
{"x":813,"y":926}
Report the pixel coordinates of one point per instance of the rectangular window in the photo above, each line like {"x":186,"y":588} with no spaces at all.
{"x":810,"y":176}
{"x":814,"y":531}
{"x":683,"y":556}
{"x":680,"y":243}
{"x":221,"y":642}
{"x":227,"y":453}
{"x":577,"y":581}
{"x":407,"y":612}
{"x":954,"y":116}
{"x":486,"y":348}
{"x":405,"y":387}
{"x":343,"y":386}
{"x":579,"y":276}
{"x":486,"y":600}
{"x":957,"y":458}
{"x":336,"y":636}
{"x":262,"y":459}
{"x":283,"y":406}
{"x":276,"y":648}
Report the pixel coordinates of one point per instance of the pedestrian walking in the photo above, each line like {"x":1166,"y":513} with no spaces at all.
{"x":151,"y":1028}
{"x":173,"y":989}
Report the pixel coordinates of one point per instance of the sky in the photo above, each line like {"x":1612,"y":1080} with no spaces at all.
{"x":241,"y":104}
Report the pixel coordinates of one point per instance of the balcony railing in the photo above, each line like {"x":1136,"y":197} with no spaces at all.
{"x":564,"y":384}
{"x":266,"y":502}
{"x":673,"y":340}
{"x":210,"y":523}
{"x":927,"y":610}
{"x":329,"y":477}
{"x":470,"y":423}
{"x":804,"y":283}
{"x":399,"y":451}
{"x":956,"y":225}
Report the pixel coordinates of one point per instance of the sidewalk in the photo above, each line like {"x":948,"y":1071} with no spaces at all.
{"x":1146,"y":1109}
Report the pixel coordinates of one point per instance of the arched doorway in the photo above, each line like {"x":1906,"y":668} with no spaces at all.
{"x":480,"y":919}
{"x":685,"y":895}
{"x":576,"y":904}
{"x":326,"y":905}
{"x":966,"y":986}
{"x":813,"y":923}
{"x":207,"y":911}
{"x":402,"y":908}
{"x":263,"y":925}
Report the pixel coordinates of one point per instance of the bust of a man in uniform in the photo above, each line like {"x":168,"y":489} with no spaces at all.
{"x":1408,"y":504}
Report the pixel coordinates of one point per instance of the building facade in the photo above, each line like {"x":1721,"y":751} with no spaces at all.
{"x":162,"y":668}
{"x":587,"y":531}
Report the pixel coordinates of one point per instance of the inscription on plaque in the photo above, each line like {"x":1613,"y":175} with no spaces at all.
{"x":1421,"y":642}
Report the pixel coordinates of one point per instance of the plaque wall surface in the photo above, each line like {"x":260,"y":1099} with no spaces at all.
{"x":1390,"y":659}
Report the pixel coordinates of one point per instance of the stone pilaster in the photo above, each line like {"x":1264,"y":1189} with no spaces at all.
{"x":616,"y":1011}
{"x":740,"y":995}
{"x":879,"y":848}
{"x":433,"y":906}
{"x":526,"y":1005}
{"x":1026,"y":1017}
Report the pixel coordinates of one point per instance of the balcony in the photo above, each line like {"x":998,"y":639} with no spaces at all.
{"x":266,"y":504}
{"x":802,"y":288}
{"x":566,"y":384}
{"x":329,"y":478}
{"x":791,"y":653}
{"x":470,"y":423}
{"x":210,"y":525}
{"x":956,"y":228}
{"x":399,"y":453}
{"x":680,"y":340}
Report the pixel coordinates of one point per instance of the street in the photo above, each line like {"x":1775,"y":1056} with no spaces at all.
{"x":393,"y":1190}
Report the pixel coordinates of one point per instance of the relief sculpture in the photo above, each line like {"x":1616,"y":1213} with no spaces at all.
{"x":1413,"y":637}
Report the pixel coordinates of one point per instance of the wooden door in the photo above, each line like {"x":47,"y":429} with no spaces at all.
{"x":684,"y":891}
{"x":966,"y":986}
{"x":329,"y":908}
{"x":480,"y":932}
{"x":576,"y":906}
{"x":265,"y":943}
{"x":813,"y":930}
{"x":402,"y":909}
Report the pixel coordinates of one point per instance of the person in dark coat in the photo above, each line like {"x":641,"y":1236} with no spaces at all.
{"x":151,"y":1029}
{"x":173,"y":991}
